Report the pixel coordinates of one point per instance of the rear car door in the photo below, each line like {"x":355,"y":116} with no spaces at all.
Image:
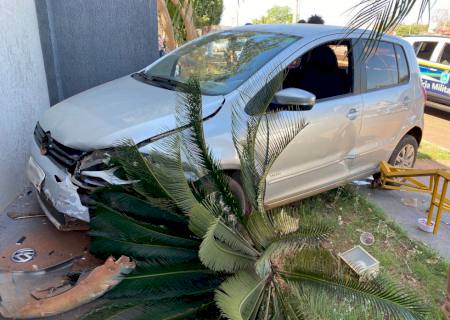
{"x":387,"y":98}
{"x":320,"y":155}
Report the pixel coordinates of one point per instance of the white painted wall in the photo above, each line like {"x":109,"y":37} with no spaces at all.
{"x":23,"y":92}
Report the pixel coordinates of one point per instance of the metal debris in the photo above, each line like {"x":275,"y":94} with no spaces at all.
{"x":367,"y":238}
{"x":21,"y":240}
{"x":94,"y":285}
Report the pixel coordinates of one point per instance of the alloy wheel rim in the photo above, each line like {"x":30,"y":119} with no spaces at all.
{"x":405,"y":158}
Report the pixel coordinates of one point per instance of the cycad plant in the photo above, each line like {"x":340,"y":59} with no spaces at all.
{"x":201,"y":255}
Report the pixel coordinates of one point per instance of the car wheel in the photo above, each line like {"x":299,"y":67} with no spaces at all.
{"x":238,"y":191}
{"x":234,"y":183}
{"x":405,"y":153}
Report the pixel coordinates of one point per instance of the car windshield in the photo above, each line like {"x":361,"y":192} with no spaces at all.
{"x":221,"y":61}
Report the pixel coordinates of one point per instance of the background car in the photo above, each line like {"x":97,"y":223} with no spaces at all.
{"x":433,"y":55}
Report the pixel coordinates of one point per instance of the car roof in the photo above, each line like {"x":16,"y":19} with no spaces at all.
{"x":305,"y":30}
{"x":431,"y":36}
{"x":427,"y":38}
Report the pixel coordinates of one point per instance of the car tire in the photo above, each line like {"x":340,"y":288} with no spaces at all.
{"x":234,"y":183}
{"x":238,"y":191}
{"x":408,"y":142}
{"x":405,"y":153}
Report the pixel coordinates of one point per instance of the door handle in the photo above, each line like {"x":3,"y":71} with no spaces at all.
{"x":352,"y":114}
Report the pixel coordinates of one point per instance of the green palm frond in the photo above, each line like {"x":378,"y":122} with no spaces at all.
{"x":307,"y":270}
{"x":315,"y":304}
{"x":142,"y":209}
{"x":234,"y":239}
{"x":285,"y":305}
{"x":194,"y":143}
{"x":258,"y":138}
{"x":117,"y":226}
{"x":149,"y":252}
{"x":137,"y":168}
{"x":284,"y":225}
{"x":284,"y":246}
{"x":180,"y":309}
{"x":167,"y":169}
{"x":111,"y":311}
{"x":247,"y":114}
{"x":380,"y":16}
{"x":240,"y":297}
{"x":153,"y":281}
{"x":219,"y":256}
{"x":271,"y":142}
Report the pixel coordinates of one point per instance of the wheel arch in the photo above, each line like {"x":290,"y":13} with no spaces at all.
{"x":416,"y":132}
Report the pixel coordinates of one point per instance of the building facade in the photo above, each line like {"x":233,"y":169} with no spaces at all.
{"x":53,"y":49}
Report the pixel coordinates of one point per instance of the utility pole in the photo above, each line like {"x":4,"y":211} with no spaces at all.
{"x":296,"y":15}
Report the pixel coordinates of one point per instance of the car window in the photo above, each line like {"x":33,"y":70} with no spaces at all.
{"x":425,"y":49}
{"x":381,"y":67}
{"x":402,"y":63}
{"x":416,"y":46}
{"x":221,"y":61}
{"x":445,"y":55}
{"x":326,"y":71}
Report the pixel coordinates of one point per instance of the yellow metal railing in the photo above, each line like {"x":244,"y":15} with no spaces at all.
{"x":405,"y":179}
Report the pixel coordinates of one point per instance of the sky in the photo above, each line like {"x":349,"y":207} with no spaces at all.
{"x":333,"y":11}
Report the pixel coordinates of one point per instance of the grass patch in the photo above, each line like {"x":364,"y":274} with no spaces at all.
{"x":406,"y":261}
{"x":431,"y":151}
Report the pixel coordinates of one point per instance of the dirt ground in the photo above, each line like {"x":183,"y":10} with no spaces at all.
{"x":56,"y":255}
{"x":437,"y":127}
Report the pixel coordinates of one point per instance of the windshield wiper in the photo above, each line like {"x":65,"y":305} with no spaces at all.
{"x":163,"y":80}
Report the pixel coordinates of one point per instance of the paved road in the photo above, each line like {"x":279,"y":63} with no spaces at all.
{"x":437,"y":127}
{"x":406,"y":216}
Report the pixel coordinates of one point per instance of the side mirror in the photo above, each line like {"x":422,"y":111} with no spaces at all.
{"x":297,"y":98}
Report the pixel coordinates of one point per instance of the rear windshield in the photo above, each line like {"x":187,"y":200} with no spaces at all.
{"x":221,"y":61}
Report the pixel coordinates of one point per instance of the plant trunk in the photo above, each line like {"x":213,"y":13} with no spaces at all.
{"x":166,"y":24}
{"x":186,"y":13}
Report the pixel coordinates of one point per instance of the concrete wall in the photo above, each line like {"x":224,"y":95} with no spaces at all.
{"x":86,"y":43}
{"x":23,"y":92}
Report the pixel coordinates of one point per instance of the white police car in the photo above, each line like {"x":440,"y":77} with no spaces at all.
{"x":433,"y":55}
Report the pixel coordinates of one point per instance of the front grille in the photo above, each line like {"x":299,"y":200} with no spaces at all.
{"x":58,"y":153}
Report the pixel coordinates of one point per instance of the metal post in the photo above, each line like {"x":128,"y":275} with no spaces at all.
{"x":296,"y":15}
{"x":441,"y":205}
{"x":433,"y":197}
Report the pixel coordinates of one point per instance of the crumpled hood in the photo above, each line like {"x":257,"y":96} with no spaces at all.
{"x":121,"y":109}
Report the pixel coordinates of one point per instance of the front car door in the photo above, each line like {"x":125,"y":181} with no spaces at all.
{"x":320,"y":156}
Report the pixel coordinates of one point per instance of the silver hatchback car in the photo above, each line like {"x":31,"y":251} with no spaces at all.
{"x":359,"y":112}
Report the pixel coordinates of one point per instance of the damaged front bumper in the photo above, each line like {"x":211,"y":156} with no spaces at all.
{"x":57,"y":194}
{"x":65,"y":177}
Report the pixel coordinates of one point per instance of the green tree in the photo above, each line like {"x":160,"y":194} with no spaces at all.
{"x":276,"y":14}
{"x":207,"y":12}
{"x":410,"y":29}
